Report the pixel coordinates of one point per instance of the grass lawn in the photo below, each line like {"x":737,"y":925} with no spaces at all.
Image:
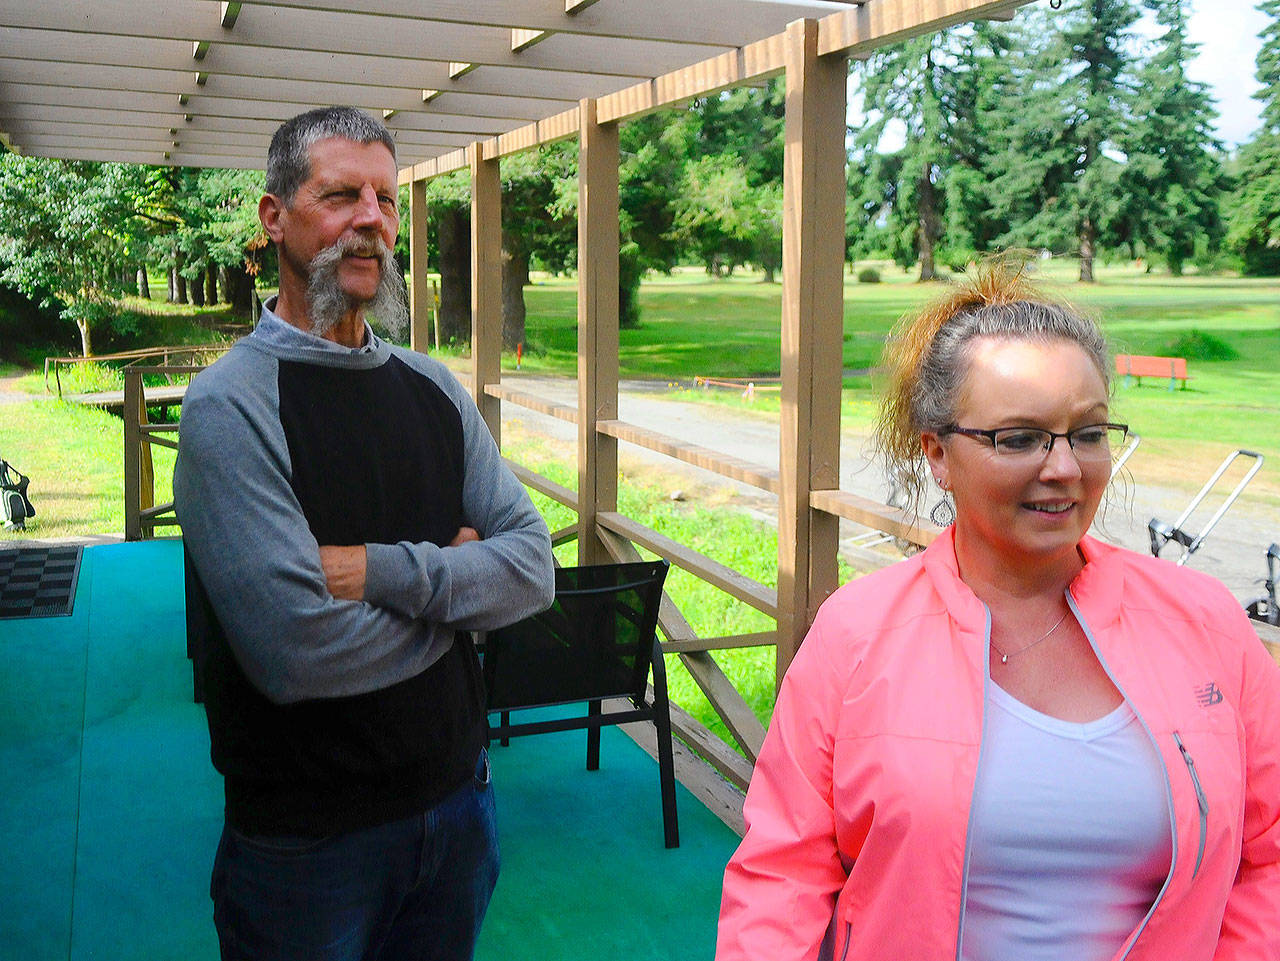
{"x":1227,"y":328}
{"x":694,"y":325}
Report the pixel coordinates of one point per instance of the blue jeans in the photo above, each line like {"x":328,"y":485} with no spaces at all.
{"x":412,"y":889}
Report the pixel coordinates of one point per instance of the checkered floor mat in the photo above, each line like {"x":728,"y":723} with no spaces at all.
{"x":38,"y":581}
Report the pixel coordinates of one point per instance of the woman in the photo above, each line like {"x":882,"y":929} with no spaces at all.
{"x":1021,"y":743}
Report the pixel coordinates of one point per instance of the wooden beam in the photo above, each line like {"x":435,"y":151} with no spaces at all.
{"x":598,"y":157}
{"x":160,"y":159}
{"x":734,"y":583}
{"x":557,"y":492}
{"x":709,"y":460}
{"x":521,"y":399}
{"x":110,"y":50}
{"x":680,"y":645}
{"x":878,"y":23}
{"x":486,"y":286}
{"x":420,"y":306}
{"x":763,"y":58}
{"x":325,"y":31}
{"x":725,"y":22}
{"x":881,"y":517}
{"x":523,"y":39}
{"x":128,"y":87}
{"x":812,"y":330}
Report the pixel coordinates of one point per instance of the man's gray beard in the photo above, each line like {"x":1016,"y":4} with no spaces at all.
{"x":328,"y":303}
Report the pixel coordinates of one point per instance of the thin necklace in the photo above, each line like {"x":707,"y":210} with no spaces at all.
{"x":1004,"y":658}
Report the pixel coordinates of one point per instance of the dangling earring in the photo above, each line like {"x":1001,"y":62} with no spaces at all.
{"x":944,"y":512}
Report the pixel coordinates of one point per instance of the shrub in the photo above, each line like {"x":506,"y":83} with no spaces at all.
{"x":868,"y":275}
{"x":1197,"y":345}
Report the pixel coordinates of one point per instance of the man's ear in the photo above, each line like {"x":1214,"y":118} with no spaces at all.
{"x":271,"y":210}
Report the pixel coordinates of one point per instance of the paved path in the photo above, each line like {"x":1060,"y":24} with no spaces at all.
{"x":9,"y":394}
{"x":1234,"y":552}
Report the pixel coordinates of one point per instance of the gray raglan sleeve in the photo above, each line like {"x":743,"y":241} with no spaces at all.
{"x":259,"y":563}
{"x":480,"y":585}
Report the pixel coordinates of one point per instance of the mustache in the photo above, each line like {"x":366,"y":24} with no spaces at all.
{"x":349,"y":246}
{"x":328,"y":303}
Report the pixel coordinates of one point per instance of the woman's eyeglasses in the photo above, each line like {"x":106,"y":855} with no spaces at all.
{"x":1094,"y":443}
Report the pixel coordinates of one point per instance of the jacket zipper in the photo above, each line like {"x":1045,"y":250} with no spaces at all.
{"x":982,"y":745}
{"x":1168,"y":786}
{"x":1201,"y":800}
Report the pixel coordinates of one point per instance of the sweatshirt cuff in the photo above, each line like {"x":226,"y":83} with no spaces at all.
{"x":395,"y":578}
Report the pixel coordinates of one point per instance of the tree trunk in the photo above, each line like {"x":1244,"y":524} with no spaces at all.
{"x":224,"y":281}
{"x":769,"y":271}
{"x":144,"y":289}
{"x":1088,"y":235}
{"x":453,"y":238}
{"x":928,"y":228}
{"x":197,"y":291}
{"x":241,"y":294}
{"x":173,"y":286}
{"x":515,"y":274}
{"x":86,"y":341}
{"x":211,"y":285}
{"x":179,"y":281}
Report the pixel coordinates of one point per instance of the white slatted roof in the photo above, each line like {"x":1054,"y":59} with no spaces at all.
{"x":205,"y":83}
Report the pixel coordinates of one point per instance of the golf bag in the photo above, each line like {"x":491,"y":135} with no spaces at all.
{"x":13,"y":494}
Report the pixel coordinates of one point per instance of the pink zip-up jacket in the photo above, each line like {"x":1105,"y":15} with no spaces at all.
{"x":858,"y":812}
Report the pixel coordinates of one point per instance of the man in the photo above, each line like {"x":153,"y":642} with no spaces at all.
{"x":348,"y":516}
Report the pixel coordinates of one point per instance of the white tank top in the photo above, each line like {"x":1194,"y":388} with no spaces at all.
{"x":1070,"y":837}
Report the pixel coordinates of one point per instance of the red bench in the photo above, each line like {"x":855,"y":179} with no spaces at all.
{"x":1139,"y":366}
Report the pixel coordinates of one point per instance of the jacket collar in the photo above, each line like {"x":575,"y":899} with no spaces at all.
{"x":1097,"y":589}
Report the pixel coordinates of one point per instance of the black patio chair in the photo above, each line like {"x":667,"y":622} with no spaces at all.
{"x":597,"y":641}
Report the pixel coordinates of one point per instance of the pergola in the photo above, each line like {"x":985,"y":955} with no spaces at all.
{"x":463,"y":83}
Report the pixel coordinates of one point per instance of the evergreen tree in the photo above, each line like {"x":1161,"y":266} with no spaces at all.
{"x":928,"y":201}
{"x":906,"y":83}
{"x":1062,"y":112}
{"x":1254,"y":230}
{"x":1172,"y":178}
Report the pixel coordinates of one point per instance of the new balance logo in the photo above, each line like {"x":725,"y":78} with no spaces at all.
{"x":1208,"y":695}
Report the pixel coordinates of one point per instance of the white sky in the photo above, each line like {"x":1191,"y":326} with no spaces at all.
{"x":1227,"y":32}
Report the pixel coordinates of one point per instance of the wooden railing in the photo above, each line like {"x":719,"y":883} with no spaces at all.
{"x":128,"y":359}
{"x":141,"y":513}
{"x":622,"y":537}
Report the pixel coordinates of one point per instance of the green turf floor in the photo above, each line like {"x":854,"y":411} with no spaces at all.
{"x":109,"y":809}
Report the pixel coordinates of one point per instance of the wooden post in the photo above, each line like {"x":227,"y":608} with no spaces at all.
{"x":419,"y":297}
{"x":486,"y":285}
{"x":597,"y":327}
{"x":812,"y":330}
{"x":139,"y":474}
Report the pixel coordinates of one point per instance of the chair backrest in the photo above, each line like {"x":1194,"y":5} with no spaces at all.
{"x":595,"y":640}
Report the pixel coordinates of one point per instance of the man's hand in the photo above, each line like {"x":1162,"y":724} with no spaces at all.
{"x":344,"y":569}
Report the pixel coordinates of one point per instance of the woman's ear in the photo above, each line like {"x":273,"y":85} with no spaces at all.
{"x":936,"y":454}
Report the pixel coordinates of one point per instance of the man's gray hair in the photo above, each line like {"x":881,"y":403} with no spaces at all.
{"x":289,"y":156}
